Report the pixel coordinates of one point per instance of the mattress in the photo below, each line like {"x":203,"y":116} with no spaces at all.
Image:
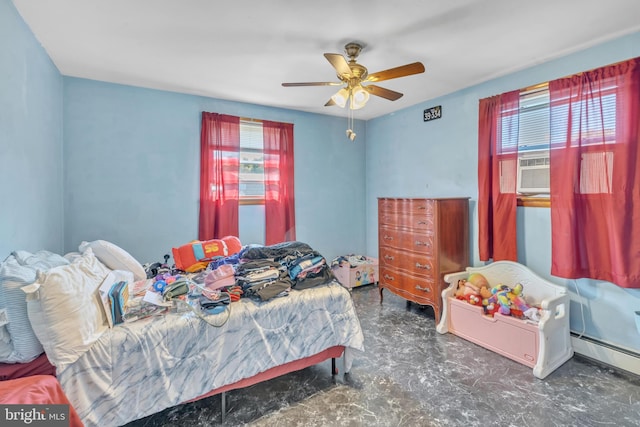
{"x":140,"y":368}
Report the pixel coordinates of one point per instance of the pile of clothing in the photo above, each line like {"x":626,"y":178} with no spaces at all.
{"x":261,"y":272}
{"x":271,"y":271}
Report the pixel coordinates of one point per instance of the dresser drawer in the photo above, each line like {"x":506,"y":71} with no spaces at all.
{"x":415,"y":263}
{"x":408,"y":240}
{"x":422,"y":288}
{"x":408,"y":206}
{"x":414,"y":222}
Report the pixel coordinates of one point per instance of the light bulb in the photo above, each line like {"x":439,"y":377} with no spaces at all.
{"x":359,"y":97}
{"x":340,"y":97}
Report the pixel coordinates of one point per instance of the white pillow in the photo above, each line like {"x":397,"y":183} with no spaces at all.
{"x":42,"y":260}
{"x":18,"y":342}
{"x":65,"y":310}
{"x":114,"y":257}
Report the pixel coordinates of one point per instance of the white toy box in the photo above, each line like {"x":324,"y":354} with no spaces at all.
{"x":542,"y":345}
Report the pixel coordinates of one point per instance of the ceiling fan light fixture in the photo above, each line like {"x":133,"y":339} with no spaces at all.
{"x":359,"y":98}
{"x":341,"y":97}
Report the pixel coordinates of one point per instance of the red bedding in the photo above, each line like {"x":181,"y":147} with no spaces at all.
{"x":38,"y":390}
{"x":39,"y":366}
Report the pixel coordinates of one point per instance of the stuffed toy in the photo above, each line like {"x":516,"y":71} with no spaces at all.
{"x":478,"y":280}
{"x":499,"y":298}
{"x":459,"y":293}
{"x":493,"y":298}
{"x":485,"y":292}
{"x":481,"y":285}
{"x":510,"y":302}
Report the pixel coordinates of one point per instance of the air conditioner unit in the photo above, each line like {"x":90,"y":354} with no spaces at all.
{"x":533,"y":173}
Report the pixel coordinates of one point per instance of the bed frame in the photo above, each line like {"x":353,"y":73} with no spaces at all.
{"x":296,"y":365}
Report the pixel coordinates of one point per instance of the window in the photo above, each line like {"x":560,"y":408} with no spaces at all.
{"x":267,"y":170}
{"x":592,"y":131}
{"x":251,"y":178}
{"x":526,"y":132}
{"x":534,"y":130}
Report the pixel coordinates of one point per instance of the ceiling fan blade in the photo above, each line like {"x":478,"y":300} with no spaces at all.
{"x":394,"y":73}
{"x":339,"y":63}
{"x":382,"y":92}
{"x":329,"y":103}
{"x":313,"y":84}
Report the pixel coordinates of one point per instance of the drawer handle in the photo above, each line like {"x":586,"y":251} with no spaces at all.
{"x":422,"y":222}
{"x":385,"y":237}
{"x":420,"y":288}
{"x":425,"y":266}
{"x":422,"y":207}
{"x":387,"y":277}
{"x":421,"y":243}
{"x":389,"y":258}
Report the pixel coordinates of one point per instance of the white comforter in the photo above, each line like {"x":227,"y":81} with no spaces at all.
{"x":143,"y":367}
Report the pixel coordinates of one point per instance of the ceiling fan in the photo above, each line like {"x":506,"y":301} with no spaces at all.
{"x":352,"y":76}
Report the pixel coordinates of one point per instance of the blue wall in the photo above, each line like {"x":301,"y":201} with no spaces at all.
{"x":131,"y":171}
{"x":439,"y":158}
{"x":31,"y":216}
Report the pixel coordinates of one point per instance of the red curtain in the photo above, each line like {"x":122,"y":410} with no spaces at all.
{"x":219,"y":175}
{"x":594,"y":171}
{"x":497,"y":176}
{"x":278,"y":180}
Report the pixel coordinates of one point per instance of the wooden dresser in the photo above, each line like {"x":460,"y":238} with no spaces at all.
{"x":419,"y":241}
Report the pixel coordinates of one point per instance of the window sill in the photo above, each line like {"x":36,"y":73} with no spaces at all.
{"x":251,"y":201}
{"x":534,"y":202}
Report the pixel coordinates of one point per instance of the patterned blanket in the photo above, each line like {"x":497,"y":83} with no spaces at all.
{"x":140,"y":368}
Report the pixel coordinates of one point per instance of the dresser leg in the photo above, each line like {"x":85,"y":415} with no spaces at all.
{"x":381,"y":289}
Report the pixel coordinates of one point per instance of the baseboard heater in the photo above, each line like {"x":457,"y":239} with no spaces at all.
{"x":606,"y":353}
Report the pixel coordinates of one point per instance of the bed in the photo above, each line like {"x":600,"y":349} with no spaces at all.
{"x":112,"y":375}
{"x":143,"y":367}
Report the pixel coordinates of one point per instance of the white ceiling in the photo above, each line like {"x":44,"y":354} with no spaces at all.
{"x":243,"y":50}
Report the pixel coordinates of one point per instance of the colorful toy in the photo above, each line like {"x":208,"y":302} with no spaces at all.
{"x":163,"y":280}
{"x":478,"y":280}
{"x":480,"y":285}
{"x":470,"y":292}
{"x":233,"y":244}
{"x":159,"y":285}
{"x":485,"y":292}
{"x":196,"y":255}
{"x":474,"y":299}
{"x":192,"y":253}
{"x":460,"y":289}
{"x":509,"y":302}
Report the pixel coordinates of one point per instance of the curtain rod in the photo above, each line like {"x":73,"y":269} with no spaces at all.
{"x":250,"y":120}
{"x":535,"y":88}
